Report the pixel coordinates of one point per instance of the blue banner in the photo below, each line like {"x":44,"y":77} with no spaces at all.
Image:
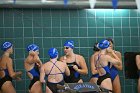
{"x":14,"y":1}
{"x":65,"y":2}
{"x":115,"y":4}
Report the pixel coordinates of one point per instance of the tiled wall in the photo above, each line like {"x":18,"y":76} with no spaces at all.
{"x":50,"y":28}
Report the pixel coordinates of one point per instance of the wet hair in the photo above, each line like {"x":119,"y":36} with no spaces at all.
{"x":110,"y":40}
{"x":95,"y":48}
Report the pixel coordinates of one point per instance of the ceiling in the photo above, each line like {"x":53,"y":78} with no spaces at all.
{"x":72,"y":4}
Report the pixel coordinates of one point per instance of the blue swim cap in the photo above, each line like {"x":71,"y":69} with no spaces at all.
{"x":103,"y":44}
{"x":69,"y":43}
{"x":6,"y":45}
{"x":53,"y":53}
{"x":32,"y":47}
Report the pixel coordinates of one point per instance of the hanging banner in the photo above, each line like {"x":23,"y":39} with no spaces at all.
{"x":115,"y":4}
{"x":14,"y":1}
{"x":65,"y":2}
{"x":138,"y":4}
{"x":92,"y":3}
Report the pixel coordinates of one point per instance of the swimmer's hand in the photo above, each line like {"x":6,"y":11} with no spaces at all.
{"x":75,"y":68}
{"x":32,"y":53}
{"x":43,"y":81}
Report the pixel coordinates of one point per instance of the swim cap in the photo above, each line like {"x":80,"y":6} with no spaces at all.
{"x":6,"y":45}
{"x":69,"y":43}
{"x":53,"y":53}
{"x":103,"y":44}
{"x":32,"y":47}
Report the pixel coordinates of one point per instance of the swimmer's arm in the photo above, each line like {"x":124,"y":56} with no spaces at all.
{"x":29,"y":60}
{"x":14,"y":75}
{"x":92,"y":64}
{"x":10,"y":68}
{"x":30,"y":75}
{"x":119,"y":67}
{"x":114,"y":60}
{"x":67,"y":71}
{"x":1,"y":69}
{"x":42,"y":74}
{"x":138,"y":61}
{"x":83,"y":65}
{"x":37,"y":60}
{"x":32,"y":53}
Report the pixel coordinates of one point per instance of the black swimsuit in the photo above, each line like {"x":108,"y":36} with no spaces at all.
{"x":53,"y":86}
{"x":139,"y":73}
{"x":35,"y":73}
{"x":74,"y":75}
{"x":5,"y":78}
